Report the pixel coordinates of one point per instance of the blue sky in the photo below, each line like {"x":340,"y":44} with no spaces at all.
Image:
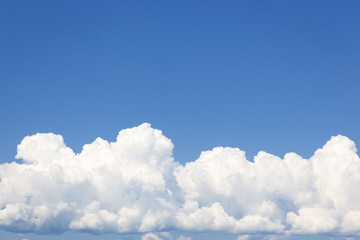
{"x":277,"y":76}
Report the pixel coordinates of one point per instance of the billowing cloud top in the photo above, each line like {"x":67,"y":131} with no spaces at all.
{"x":134,"y":185}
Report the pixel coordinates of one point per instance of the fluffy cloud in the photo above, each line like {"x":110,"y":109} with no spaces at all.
{"x":134,"y":185}
{"x":109,"y":187}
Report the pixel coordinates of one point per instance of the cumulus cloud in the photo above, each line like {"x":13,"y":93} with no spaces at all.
{"x":134,"y":185}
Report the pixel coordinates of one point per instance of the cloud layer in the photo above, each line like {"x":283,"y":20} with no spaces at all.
{"x":134,"y":185}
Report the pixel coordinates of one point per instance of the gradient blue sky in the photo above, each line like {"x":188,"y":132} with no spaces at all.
{"x":270,"y":75}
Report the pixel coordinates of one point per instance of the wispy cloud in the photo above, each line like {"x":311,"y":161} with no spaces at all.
{"x":134,"y":185}
{"x":243,"y":237}
{"x":162,"y":236}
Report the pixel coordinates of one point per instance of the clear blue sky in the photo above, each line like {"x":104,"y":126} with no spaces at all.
{"x":271,"y":75}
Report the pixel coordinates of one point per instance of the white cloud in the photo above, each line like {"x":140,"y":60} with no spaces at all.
{"x":275,"y":237}
{"x":191,"y":217}
{"x":183,"y":238}
{"x":134,"y":185}
{"x":243,"y":237}
{"x":109,"y":187}
{"x":165,"y":234}
{"x":312,"y":220}
{"x":157,"y":236}
{"x":151,"y":236}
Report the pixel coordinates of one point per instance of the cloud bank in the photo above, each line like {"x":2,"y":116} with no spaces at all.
{"x":134,"y":185}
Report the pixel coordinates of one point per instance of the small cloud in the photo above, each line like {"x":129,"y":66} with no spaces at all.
{"x":183,"y":238}
{"x":151,"y":236}
{"x":243,"y":237}
{"x":276,"y":237}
